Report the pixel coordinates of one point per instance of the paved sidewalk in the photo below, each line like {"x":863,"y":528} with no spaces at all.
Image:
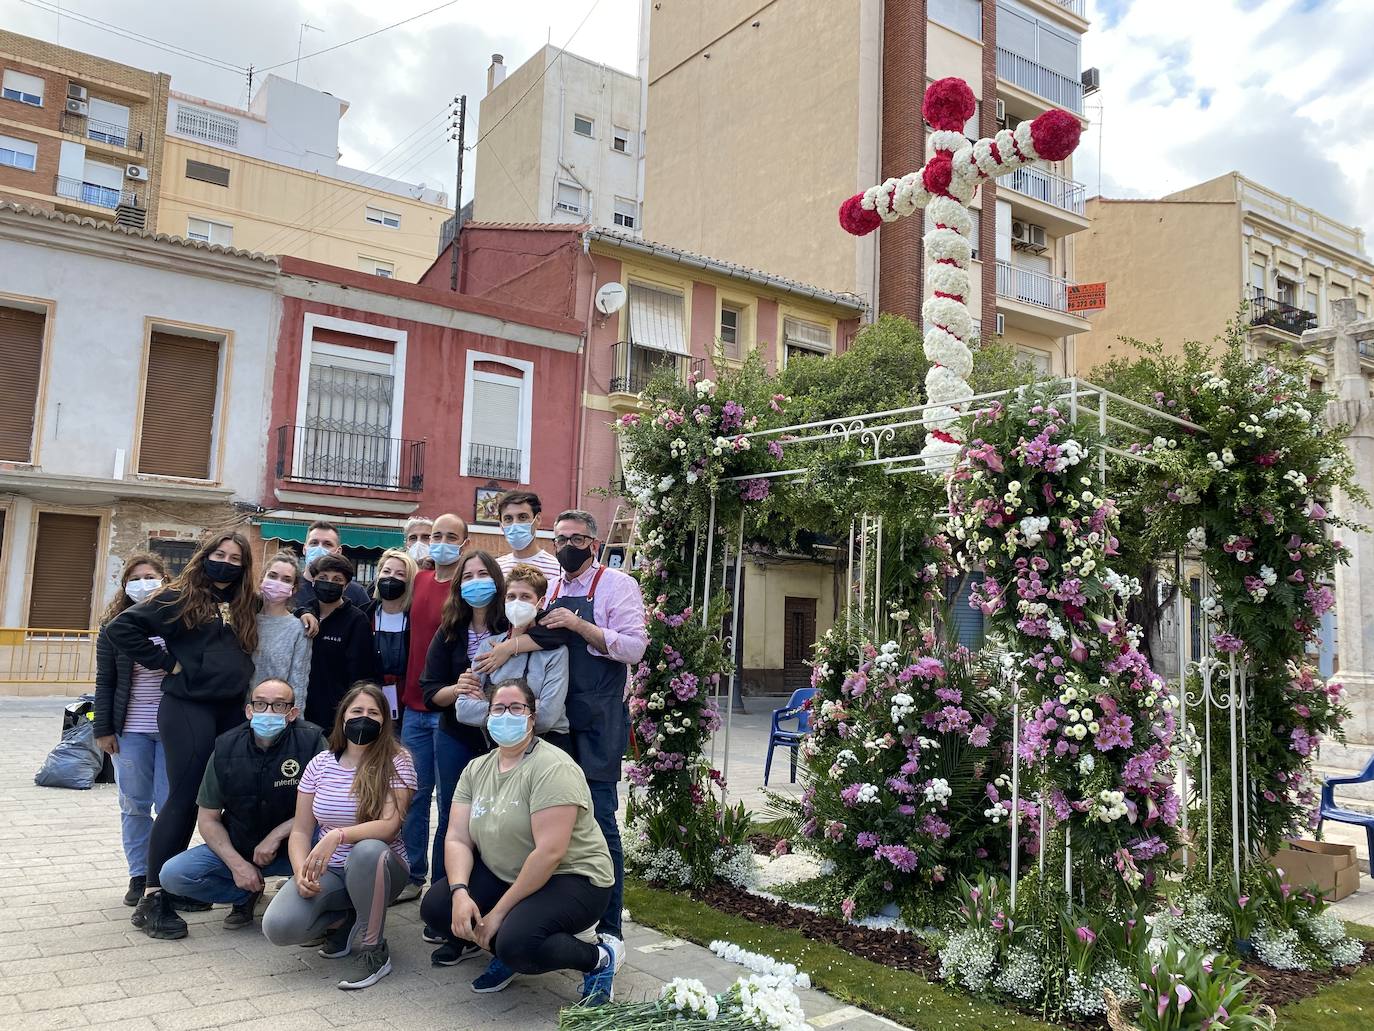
{"x":70,"y":958}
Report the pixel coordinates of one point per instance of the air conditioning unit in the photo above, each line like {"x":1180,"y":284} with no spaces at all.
{"x":1001,"y":324}
{"x":139,"y":172}
{"x":77,"y":107}
{"x":1092,"y":81}
{"x":1037,"y":238}
{"x":1020,"y":233}
{"x":1001,"y":110}
{"x":75,"y":92}
{"x":1027,"y":236}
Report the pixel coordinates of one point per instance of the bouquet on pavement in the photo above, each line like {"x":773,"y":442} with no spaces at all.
{"x":759,"y":1001}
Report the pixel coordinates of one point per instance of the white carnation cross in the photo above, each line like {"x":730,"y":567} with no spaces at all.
{"x":943,"y":188}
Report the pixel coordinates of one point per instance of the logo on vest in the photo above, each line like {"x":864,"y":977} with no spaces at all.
{"x":290,"y":768}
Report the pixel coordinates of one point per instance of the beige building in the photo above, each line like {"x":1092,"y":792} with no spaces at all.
{"x":268,"y":179}
{"x":560,"y":141}
{"x":1178,"y":268}
{"x":80,"y":134}
{"x":760,"y":122}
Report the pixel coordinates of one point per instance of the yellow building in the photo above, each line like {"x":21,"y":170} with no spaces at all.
{"x":268,"y":179}
{"x":1179,"y":267}
{"x":758,"y":126}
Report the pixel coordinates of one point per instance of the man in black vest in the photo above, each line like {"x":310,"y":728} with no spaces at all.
{"x":247,"y":804}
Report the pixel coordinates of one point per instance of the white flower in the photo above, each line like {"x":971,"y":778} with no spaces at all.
{"x":705,"y":387}
{"x":1268,"y":575}
{"x":1033,"y":527}
{"x":938,"y":791}
{"x":760,"y":963}
{"x":1197,"y":538}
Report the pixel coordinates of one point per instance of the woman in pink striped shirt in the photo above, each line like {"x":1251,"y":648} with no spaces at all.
{"x":345,"y":846}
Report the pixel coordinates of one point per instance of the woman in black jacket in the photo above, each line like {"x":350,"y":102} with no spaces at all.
{"x":208,"y":621}
{"x":126,"y":702}
{"x":389,"y":613}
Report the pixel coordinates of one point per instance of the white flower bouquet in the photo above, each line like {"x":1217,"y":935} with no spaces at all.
{"x":754,"y":1003}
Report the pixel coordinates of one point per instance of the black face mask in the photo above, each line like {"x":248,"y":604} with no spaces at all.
{"x":328,"y":592}
{"x":572,"y":559}
{"x":389,"y":588}
{"x":222,"y":572}
{"x":362,"y":730}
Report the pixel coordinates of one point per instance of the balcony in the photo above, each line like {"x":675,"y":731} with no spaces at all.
{"x":1039,"y":80}
{"x":634,"y":366}
{"x":1279,"y":316}
{"x":94,"y":194}
{"x":339,"y":459}
{"x":489,"y":462}
{"x":1078,"y":7}
{"x":102,"y":132}
{"x":1039,"y":196}
{"x":1036,"y":301}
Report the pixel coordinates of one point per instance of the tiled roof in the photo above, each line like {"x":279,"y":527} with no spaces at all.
{"x":142,"y":234}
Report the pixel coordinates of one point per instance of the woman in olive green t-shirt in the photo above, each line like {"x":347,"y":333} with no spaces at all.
{"x":529,"y":874}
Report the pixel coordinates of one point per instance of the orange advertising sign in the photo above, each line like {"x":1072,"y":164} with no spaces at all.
{"x":1088,"y":297}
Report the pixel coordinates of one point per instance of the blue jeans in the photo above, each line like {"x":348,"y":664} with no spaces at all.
{"x":200,"y":874}
{"x":439,"y":760}
{"x":141,"y":774}
{"x":604,"y":804}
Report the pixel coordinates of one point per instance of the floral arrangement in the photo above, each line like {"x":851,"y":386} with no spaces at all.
{"x":1184,"y":987}
{"x":754,"y":1003}
{"x":906,"y":782}
{"x":1098,"y":723}
{"x":760,"y":964}
{"x":1294,"y":928}
{"x":944,"y":186}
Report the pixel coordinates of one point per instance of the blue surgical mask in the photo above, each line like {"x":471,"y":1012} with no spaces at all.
{"x":509,"y":729}
{"x":444,"y":554}
{"x":519,"y":535}
{"x":478,"y":592}
{"x":268,"y":725}
{"x":315,"y":551}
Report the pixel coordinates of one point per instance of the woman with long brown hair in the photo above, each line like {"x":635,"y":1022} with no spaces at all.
{"x":126,"y":701}
{"x":207,"y":620}
{"x":355,"y":796}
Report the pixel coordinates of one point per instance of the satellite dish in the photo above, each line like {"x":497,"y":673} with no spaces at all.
{"x":610,"y":298}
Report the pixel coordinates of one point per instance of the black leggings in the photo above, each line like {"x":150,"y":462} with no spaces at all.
{"x":537,"y":935}
{"x":188,"y":731}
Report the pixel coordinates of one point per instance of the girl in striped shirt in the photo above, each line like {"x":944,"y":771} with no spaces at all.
{"x":345,"y":845}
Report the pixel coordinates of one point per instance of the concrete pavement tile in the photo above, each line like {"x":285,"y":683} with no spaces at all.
{"x":304,"y":1020}
{"x":50,"y":1020}
{"x":136,"y":1024}
{"x":74,"y":995}
{"x":44,"y":964}
{"x":20,"y":983}
{"x":143,"y":1006}
{"x":203,"y":1016}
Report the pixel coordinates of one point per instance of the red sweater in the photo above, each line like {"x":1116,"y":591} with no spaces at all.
{"x":426,"y":610}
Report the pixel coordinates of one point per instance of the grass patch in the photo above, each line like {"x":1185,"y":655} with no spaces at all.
{"x":910,"y":999}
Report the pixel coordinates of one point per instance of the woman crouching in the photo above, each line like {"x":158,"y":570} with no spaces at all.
{"x":529,"y":874}
{"x":355,"y":794}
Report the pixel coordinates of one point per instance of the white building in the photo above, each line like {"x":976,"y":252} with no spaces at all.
{"x":562,"y":149}
{"x":135,"y":378}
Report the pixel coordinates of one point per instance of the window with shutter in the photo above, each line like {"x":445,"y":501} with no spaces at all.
{"x":63,"y":577}
{"x":21,"y":365}
{"x":495,"y":436}
{"x":179,"y":402}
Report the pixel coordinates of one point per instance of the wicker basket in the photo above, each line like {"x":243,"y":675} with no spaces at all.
{"x":1116,"y":1017}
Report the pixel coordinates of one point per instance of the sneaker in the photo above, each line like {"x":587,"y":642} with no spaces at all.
{"x":142,"y":908}
{"x":409,"y":893}
{"x":182,"y":904}
{"x":371,"y":966}
{"x":242,"y":914}
{"x":494,"y":978}
{"x":598,"y":987}
{"x":338,"y":942}
{"x":432,"y":936}
{"x":137,"y":886}
{"x":450,"y":954}
{"x":160,"y":920}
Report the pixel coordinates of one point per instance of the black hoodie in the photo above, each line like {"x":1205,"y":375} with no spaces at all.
{"x":214,"y":666}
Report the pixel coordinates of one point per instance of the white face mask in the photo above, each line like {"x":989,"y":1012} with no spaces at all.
{"x":142,"y":590}
{"x":419,"y":551}
{"x":520,"y":613}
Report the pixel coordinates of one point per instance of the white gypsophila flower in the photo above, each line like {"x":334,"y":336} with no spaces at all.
{"x":1280,"y":948}
{"x":968,"y":958}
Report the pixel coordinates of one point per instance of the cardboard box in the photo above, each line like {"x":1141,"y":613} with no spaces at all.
{"x":1332,"y":868}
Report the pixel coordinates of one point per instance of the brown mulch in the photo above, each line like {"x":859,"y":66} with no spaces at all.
{"x":762,"y":844}
{"x":902,"y":950}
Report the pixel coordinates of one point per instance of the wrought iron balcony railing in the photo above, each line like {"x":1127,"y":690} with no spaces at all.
{"x":342,"y":459}
{"x":489,"y":462}
{"x":101,"y":131}
{"x":634,"y":366}
{"x":1287,"y":318}
{"x":93,"y":193}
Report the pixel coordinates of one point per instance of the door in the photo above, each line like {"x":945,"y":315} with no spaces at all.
{"x":63,"y":571}
{"x":798,"y":639}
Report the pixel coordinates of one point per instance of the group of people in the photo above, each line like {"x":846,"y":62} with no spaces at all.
{"x":306,"y":727}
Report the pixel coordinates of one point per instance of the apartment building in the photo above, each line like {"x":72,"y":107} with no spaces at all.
{"x":562,"y":149}
{"x":269,"y":179}
{"x":1179,"y":267}
{"x":662,"y":307}
{"x":139,"y":437}
{"x":80,"y":134}
{"x":761,"y":121}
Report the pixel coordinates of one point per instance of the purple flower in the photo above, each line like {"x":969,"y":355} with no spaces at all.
{"x":866,"y":839}
{"x":754,"y":490}
{"x":1085,"y":934}
{"x":775,"y":449}
{"x":898,"y":855}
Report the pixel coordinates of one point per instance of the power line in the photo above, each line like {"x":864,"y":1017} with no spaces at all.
{"x":539,"y":78}
{"x":136,"y":37}
{"x":356,"y":39}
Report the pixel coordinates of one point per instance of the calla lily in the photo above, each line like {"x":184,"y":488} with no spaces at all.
{"x":1184,"y":994}
{"x":1078,"y":651}
{"x":1163,"y":1003}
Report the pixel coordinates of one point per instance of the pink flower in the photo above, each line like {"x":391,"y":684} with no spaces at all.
{"x":1162,"y":1004}
{"x":782,"y":848}
{"x":847,"y":908}
{"x":1184,"y":994}
{"x":1086,"y":935}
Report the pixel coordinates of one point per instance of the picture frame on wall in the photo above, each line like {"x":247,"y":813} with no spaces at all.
{"x":484,"y":509}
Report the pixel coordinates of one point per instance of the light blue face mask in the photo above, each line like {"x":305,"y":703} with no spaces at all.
{"x":509,"y":729}
{"x":478,"y":592}
{"x":444,"y":554}
{"x":268,"y":725}
{"x":315,"y":551}
{"x":519,"y":534}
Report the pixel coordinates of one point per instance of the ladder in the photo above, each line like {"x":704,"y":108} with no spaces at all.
{"x":621,"y":536}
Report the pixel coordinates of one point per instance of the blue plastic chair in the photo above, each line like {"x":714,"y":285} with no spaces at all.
{"x":1331,"y":811}
{"x":795,"y":710}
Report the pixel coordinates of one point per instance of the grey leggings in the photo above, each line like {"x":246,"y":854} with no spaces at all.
{"x":368,"y":882}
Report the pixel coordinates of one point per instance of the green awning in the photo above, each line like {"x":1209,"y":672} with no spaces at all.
{"x":351,"y":536}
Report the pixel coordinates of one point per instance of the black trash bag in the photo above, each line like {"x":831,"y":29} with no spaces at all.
{"x":82,"y":710}
{"x":75,"y":762}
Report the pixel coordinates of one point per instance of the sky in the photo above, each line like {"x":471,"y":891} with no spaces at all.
{"x":1277,"y":89}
